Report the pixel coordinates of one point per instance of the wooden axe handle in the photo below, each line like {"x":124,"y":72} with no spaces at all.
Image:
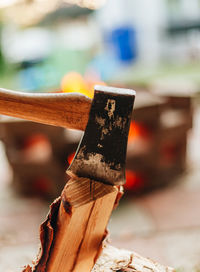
{"x":69,"y":110}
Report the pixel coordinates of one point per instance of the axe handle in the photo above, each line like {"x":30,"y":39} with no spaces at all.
{"x":69,"y":110}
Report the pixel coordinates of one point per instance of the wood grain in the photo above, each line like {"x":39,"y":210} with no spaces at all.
{"x":69,"y":110}
{"x":84,"y":212}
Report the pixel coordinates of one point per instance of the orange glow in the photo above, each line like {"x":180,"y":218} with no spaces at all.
{"x":42,"y":185}
{"x":35,"y":139}
{"x":70,"y":157}
{"x":137,"y":131}
{"x":76,"y":83}
{"x":134,"y":181}
{"x":91,"y":85}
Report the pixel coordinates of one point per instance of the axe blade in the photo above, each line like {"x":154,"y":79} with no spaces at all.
{"x":101,"y":154}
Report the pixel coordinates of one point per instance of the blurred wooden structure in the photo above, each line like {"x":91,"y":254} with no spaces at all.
{"x":158,"y":153}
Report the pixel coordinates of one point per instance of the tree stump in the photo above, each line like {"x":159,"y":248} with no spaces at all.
{"x":121,"y":260}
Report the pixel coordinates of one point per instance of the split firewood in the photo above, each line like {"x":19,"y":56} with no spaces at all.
{"x":72,"y":235}
{"x":84,"y":212}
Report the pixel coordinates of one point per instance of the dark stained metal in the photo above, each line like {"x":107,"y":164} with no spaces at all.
{"x":101,"y":154}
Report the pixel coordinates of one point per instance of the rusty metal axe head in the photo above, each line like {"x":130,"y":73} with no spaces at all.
{"x":101,"y":154}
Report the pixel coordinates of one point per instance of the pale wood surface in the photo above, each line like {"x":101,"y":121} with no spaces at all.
{"x":114,"y":259}
{"x":69,"y":110}
{"x":84,"y":212}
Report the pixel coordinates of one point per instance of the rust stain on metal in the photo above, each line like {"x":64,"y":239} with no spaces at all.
{"x":110,"y":107}
{"x":96,"y":166}
{"x":99,"y":120}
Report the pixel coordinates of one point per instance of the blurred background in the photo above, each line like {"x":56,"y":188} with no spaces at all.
{"x":150,"y":46}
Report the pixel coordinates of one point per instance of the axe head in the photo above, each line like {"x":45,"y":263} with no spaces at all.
{"x":101,"y":154}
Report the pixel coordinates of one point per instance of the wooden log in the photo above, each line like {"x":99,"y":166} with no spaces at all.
{"x":84,"y":212}
{"x":73,"y":233}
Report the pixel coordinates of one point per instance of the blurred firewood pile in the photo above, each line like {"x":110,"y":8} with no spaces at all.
{"x":40,"y":154}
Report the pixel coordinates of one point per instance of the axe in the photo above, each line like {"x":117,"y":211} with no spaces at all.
{"x":96,"y":171}
{"x":101,"y":153}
